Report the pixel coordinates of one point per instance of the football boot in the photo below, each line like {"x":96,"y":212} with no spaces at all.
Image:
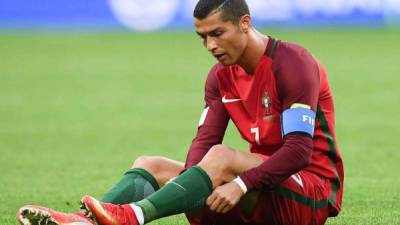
{"x":107,"y":213}
{"x":38,"y":215}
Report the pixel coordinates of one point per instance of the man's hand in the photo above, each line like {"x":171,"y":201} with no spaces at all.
{"x":224,"y":197}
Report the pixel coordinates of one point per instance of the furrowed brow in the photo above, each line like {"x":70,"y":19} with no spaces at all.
{"x":208,"y":33}
{"x":202,"y":35}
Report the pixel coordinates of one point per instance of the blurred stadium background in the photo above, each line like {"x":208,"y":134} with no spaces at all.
{"x":150,"y":15}
{"x":86,"y":86}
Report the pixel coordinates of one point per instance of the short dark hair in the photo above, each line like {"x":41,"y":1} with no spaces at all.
{"x":232,"y":10}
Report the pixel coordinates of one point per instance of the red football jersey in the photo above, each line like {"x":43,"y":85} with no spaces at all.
{"x":287,"y":74}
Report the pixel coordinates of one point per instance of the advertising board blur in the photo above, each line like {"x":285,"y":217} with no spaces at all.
{"x":150,"y":15}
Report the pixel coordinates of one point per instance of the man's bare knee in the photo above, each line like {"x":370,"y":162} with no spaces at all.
{"x":218,"y":155}
{"x":217,"y":163}
{"x":149,"y":163}
{"x":162,"y":169}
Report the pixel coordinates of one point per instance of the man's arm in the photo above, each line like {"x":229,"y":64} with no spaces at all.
{"x":297,"y":80}
{"x":212,"y":124}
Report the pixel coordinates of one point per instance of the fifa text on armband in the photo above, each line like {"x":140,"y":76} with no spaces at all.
{"x":309,"y":119}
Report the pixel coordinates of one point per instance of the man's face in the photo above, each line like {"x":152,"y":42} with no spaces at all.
{"x":223,"y":39}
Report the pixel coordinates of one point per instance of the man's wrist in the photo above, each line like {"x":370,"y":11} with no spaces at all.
{"x":241,"y":184}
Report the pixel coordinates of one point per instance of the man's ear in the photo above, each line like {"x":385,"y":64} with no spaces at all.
{"x":245,"y":23}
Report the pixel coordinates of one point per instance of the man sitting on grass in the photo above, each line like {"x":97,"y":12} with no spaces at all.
{"x":278,"y":96}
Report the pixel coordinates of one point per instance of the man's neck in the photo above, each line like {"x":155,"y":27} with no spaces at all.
{"x":254,"y":51}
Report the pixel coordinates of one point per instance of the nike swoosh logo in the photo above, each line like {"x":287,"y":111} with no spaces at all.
{"x":172,"y":182}
{"x":296,"y":177}
{"x":225,"y":100}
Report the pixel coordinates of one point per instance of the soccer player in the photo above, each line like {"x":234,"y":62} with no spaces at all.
{"x":278,"y":96}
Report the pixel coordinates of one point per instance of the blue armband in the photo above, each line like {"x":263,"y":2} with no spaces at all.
{"x":298,"y":120}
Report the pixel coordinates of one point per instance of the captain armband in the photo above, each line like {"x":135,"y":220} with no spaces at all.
{"x":299,"y":118}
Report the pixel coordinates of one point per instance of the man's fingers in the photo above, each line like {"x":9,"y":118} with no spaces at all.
{"x":214,"y":206}
{"x":214,"y":201}
{"x":211,"y":199}
{"x":224,"y":198}
{"x":226,"y":208}
{"x":221,"y":206}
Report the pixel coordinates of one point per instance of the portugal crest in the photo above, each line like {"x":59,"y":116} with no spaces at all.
{"x":266,"y":102}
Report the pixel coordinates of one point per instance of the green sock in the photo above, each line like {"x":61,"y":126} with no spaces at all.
{"x":135,"y":185}
{"x":186,"y":192}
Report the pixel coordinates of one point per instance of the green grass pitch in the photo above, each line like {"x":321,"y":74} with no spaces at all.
{"x":77,"y":109}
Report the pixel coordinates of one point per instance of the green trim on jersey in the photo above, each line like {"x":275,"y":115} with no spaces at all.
{"x":332,"y":153}
{"x":313,"y":203}
{"x":274,"y":46}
